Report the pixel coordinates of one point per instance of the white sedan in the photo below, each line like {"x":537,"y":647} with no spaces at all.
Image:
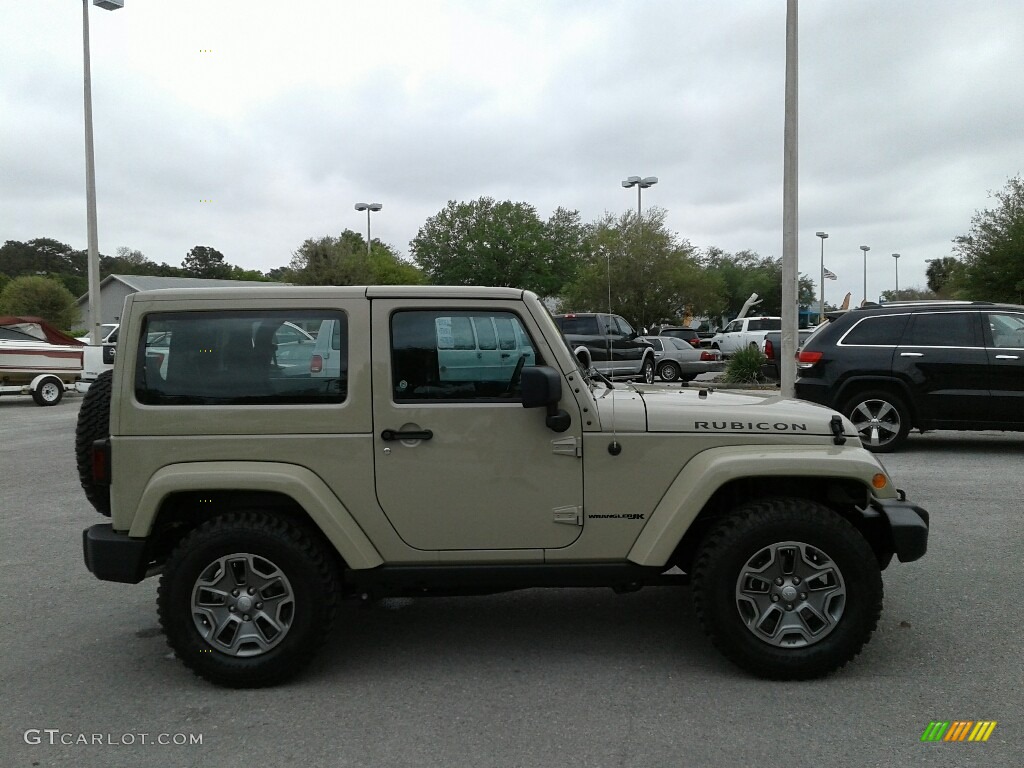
{"x":676,"y":360}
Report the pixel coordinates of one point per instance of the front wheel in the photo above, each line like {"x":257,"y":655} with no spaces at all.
{"x":246,"y":599}
{"x":882,"y":420}
{"x":49,"y":392}
{"x":787,"y":589}
{"x":669,"y":371}
{"x":647,"y":371}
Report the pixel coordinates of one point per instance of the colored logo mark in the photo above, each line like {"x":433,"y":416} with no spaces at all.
{"x":959,"y":730}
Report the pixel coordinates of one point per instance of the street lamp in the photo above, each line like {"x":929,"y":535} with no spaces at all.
{"x":865,"y":249}
{"x":640,"y":184}
{"x":821,"y":306}
{"x":897,"y":257}
{"x":93,"y":262}
{"x":368,"y":207}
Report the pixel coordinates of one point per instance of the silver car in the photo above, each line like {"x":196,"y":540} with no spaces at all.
{"x":676,"y":360}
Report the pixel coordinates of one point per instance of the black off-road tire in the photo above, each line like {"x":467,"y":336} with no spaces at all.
{"x":669,"y":371}
{"x":310,"y":571}
{"x":49,"y":392}
{"x":93,"y":424}
{"x":729,"y":549}
{"x":882,"y":419}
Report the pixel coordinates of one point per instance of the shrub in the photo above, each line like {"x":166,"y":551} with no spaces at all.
{"x":42,"y":297}
{"x":745,"y":367}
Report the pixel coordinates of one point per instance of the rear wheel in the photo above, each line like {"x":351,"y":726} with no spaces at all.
{"x":881,"y":418}
{"x":248,"y":598}
{"x":93,"y":424}
{"x":787,"y":589}
{"x":49,"y":392}
{"x":669,"y":371}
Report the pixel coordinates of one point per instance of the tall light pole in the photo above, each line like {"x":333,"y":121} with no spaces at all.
{"x":865,"y":249}
{"x":368,"y":207}
{"x":821,"y":305}
{"x":93,"y":263}
{"x":640,"y":184}
{"x":897,"y":257}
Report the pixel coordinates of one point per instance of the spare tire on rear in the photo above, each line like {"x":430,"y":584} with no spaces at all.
{"x":93,"y":425}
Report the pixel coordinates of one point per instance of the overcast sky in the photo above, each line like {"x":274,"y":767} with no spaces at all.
{"x":282,"y":115}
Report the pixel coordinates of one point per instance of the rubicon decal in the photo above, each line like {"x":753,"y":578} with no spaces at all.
{"x":958,"y":730}
{"x":751,"y":426}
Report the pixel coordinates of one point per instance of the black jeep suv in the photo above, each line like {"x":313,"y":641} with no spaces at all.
{"x":929,"y":365}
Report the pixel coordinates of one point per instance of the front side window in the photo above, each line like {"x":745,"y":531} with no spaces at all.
{"x":458,"y":355}
{"x":240,"y":358}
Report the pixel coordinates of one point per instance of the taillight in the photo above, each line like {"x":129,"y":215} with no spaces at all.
{"x":769,"y":349}
{"x":805,"y":359}
{"x":101,"y":462}
{"x":695,"y":342}
{"x":316,"y":364}
{"x":707,"y":356}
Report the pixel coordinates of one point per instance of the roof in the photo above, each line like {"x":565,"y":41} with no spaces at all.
{"x":156,"y":282}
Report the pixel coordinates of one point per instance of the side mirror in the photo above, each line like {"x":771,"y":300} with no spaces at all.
{"x":542,"y":387}
{"x":583,"y":355}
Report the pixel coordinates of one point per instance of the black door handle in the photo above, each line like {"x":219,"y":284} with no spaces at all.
{"x":394,"y":434}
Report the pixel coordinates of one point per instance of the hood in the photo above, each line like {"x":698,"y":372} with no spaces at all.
{"x":718,"y":411}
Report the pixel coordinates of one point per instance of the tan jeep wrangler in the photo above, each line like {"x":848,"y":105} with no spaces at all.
{"x":271,"y":452}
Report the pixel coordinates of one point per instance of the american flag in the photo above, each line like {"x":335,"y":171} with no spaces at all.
{"x":829,"y":274}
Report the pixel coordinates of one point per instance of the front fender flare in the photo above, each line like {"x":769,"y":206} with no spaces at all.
{"x":298,"y":483}
{"x":709,"y":470}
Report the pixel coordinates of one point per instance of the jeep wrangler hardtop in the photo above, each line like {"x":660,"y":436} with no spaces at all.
{"x":271,"y":453}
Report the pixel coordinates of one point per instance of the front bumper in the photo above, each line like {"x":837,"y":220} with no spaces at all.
{"x":907,"y":524}
{"x":113,"y":556}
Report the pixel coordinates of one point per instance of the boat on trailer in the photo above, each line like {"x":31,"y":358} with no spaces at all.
{"x":37,"y":359}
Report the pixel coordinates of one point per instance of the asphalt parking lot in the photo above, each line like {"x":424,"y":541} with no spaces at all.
{"x":534,"y":678}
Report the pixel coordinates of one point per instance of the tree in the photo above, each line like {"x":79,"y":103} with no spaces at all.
{"x":204,"y":261}
{"x":910,"y":294}
{"x":343,"y":260}
{"x":993,"y":251}
{"x":746,"y":272}
{"x":942,"y":273}
{"x":484,"y":242}
{"x":41,"y":297}
{"x":40,"y":255}
{"x":634,"y":266}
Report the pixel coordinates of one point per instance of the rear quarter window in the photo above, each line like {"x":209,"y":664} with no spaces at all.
{"x":578,"y":326}
{"x":236,"y":358}
{"x":879,"y":331}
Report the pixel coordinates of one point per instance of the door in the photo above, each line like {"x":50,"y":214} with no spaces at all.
{"x":943,"y":358}
{"x":469,"y":467}
{"x":1005,"y":342}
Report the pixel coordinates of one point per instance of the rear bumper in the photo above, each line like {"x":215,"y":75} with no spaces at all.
{"x":907,"y":524}
{"x":113,"y":556}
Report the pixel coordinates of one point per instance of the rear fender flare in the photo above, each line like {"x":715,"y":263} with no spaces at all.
{"x":298,"y":483}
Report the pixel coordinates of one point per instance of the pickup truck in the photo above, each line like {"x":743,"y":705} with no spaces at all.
{"x":454,"y":445}
{"x":615,"y":348}
{"x":744,"y":332}
{"x":771,"y":347}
